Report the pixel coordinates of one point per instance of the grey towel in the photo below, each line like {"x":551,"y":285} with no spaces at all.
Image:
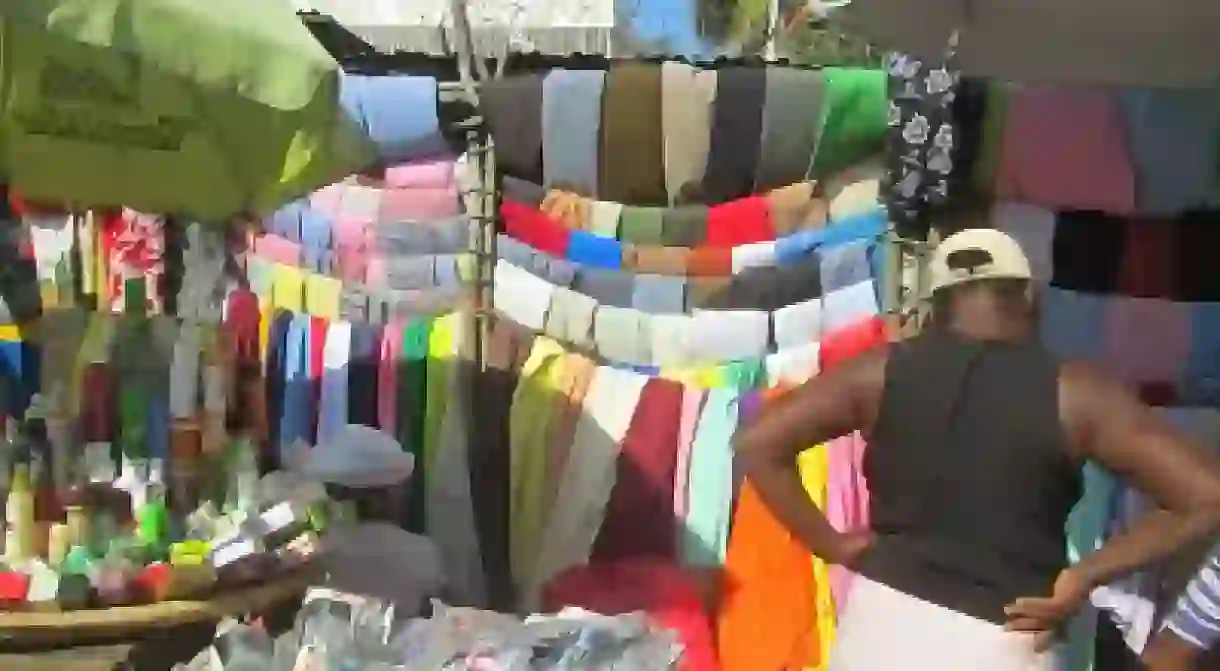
{"x":354,"y":303}
{"x":845,"y":265}
{"x":608,"y":287}
{"x":399,"y":238}
{"x":571,"y":127}
{"x":521,"y":191}
{"x":684,"y":226}
{"x":410,"y":272}
{"x":792,"y":121}
{"x":659,"y":294}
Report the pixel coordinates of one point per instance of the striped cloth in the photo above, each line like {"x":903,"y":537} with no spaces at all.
{"x":1196,"y":619}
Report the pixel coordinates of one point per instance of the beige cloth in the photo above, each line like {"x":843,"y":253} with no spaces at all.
{"x":885,"y":630}
{"x":687,"y":94}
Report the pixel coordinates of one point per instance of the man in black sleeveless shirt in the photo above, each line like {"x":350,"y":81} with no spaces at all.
{"x":976,"y":440}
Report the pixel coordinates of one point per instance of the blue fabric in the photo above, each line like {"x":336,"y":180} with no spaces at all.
{"x":710,"y":483}
{"x":13,"y":375}
{"x":298,"y":388}
{"x":1172,"y":137}
{"x":571,"y":121}
{"x":1202,"y":375}
{"x":1073,"y":323}
{"x":286,"y":221}
{"x":659,"y":294}
{"x":587,"y":249}
{"x":866,"y":226}
{"x":1194,"y":619}
{"x":399,"y":113}
{"x":316,"y":240}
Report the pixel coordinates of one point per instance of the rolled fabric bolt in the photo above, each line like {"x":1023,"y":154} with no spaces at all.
{"x":14,"y":588}
{"x":58,"y":544}
{"x":44,"y":587}
{"x":75,"y":591}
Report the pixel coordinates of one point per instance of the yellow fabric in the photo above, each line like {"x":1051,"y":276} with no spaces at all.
{"x":265,"y":314}
{"x":814,"y":465}
{"x":11,"y":333}
{"x":322,"y":296}
{"x":701,"y":377}
{"x":102,"y":268}
{"x":529,"y":427}
{"x":442,"y":346}
{"x":287,"y":288}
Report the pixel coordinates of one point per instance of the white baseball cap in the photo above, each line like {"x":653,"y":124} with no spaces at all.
{"x":359,"y":457}
{"x":977,"y":254}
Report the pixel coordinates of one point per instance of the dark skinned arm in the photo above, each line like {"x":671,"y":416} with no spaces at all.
{"x":1114,"y":428}
{"x":827,"y":406}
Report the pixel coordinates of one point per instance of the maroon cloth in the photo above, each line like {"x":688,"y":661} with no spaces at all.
{"x":98,"y":408}
{"x":640,"y":514}
{"x":242,"y":322}
{"x":1147,"y":269}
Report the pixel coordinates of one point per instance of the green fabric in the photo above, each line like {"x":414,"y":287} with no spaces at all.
{"x":206,"y":109}
{"x":412,"y":387}
{"x":745,"y":375}
{"x":642,"y":225}
{"x":854,"y":120}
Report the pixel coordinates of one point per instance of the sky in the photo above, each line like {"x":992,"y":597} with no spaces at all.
{"x":673,"y":20}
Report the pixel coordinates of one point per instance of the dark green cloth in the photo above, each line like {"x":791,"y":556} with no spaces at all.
{"x":642,"y":225}
{"x":412,"y":388}
{"x":684,"y":226}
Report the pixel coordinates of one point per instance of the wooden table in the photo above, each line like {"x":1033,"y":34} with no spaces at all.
{"x":144,"y":638}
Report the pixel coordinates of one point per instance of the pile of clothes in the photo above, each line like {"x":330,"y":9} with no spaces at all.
{"x":340,"y":631}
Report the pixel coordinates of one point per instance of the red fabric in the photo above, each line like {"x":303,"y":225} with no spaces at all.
{"x":534,"y":228}
{"x":243,"y":324}
{"x":639,"y":518}
{"x":317,"y":342}
{"x":740,"y":222}
{"x":842,"y":344}
{"x":97,"y":402}
{"x":1147,"y":271}
{"x":665,"y":592}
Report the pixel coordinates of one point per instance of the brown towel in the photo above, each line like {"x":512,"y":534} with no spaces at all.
{"x":702,"y":292}
{"x":647,"y":259}
{"x":513,"y":109}
{"x":633,"y":148}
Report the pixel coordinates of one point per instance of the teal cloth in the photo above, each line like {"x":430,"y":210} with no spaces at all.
{"x":709,"y":485}
{"x":1086,"y":528}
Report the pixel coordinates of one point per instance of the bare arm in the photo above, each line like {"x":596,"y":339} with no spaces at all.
{"x":828,"y":406}
{"x":1113,"y":427}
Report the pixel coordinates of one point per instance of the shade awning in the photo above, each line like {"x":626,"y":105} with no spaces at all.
{"x":1166,"y":43}
{"x":424,"y":26}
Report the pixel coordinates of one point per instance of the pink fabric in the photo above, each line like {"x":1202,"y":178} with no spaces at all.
{"x":375,"y":272}
{"x":387,"y":368}
{"x":352,"y":248}
{"x":1147,"y":339}
{"x":419,"y":203}
{"x":846,"y":503}
{"x":328,"y":199}
{"x":1065,"y":148}
{"x":278,"y":249}
{"x":432,"y":173}
{"x":692,"y":403}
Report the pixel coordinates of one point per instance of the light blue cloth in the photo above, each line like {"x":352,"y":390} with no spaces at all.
{"x":705,"y":536}
{"x":587,"y":249}
{"x":286,"y":221}
{"x":316,"y":240}
{"x":845,"y":265}
{"x":659,"y":294}
{"x":298,"y":388}
{"x":1172,"y":136}
{"x":571,"y":125}
{"x":158,"y":423}
{"x":866,"y":226}
{"x":399,"y":113}
{"x":1201,"y":385}
{"x":559,"y":272}
{"x":1073,"y":323}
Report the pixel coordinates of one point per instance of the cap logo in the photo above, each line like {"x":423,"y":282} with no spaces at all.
{"x":969,"y":262}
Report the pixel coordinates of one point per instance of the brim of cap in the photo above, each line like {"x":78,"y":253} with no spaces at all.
{"x":958,"y":281}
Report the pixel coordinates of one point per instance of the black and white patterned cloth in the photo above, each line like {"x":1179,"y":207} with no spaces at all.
{"x":921,"y":138}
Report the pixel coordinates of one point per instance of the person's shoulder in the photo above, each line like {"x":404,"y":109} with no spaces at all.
{"x":1079,"y":376}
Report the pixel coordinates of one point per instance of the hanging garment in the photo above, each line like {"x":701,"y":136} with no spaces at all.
{"x":336,"y":356}
{"x":591,"y":250}
{"x":740,"y":222}
{"x":399,"y":113}
{"x":298,"y":389}
{"x":797,"y":206}
{"x":513,"y":109}
{"x":692,"y":407}
{"x":655,"y":260}
{"x":846,"y":504}
{"x":639,"y":518}
{"x":577,"y":372}
{"x":534,"y":228}
{"x":412,"y":397}
{"x":585,"y":486}
{"x":684,"y":226}
{"x":792,"y":122}
{"x":1147,"y":339}
{"x":813,"y":465}
{"x":529,"y":421}
{"x":1166,"y":130}
{"x":508,"y":348}
{"x":568,"y":208}
{"x":362,"y":375}
{"x":737,"y":118}
{"x":1151,"y":272}
{"x":687,"y":94}
{"x":1065,"y":148}
{"x":642,"y":225}
{"x":710,"y":482}
{"x":632,"y":142}
{"x":1089,"y":249}
{"x":604,"y":219}
{"x":1034,"y":228}
{"x":1195,"y":278}
{"x":571,"y":124}
{"x":387,"y":382}
{"x":570,"y":317}
{"x":443,"y":339}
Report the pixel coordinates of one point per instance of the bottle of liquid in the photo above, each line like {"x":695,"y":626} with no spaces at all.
{"x":19,"y":515}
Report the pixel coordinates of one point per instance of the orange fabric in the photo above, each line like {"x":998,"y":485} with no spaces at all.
{"x":767,"y":620}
